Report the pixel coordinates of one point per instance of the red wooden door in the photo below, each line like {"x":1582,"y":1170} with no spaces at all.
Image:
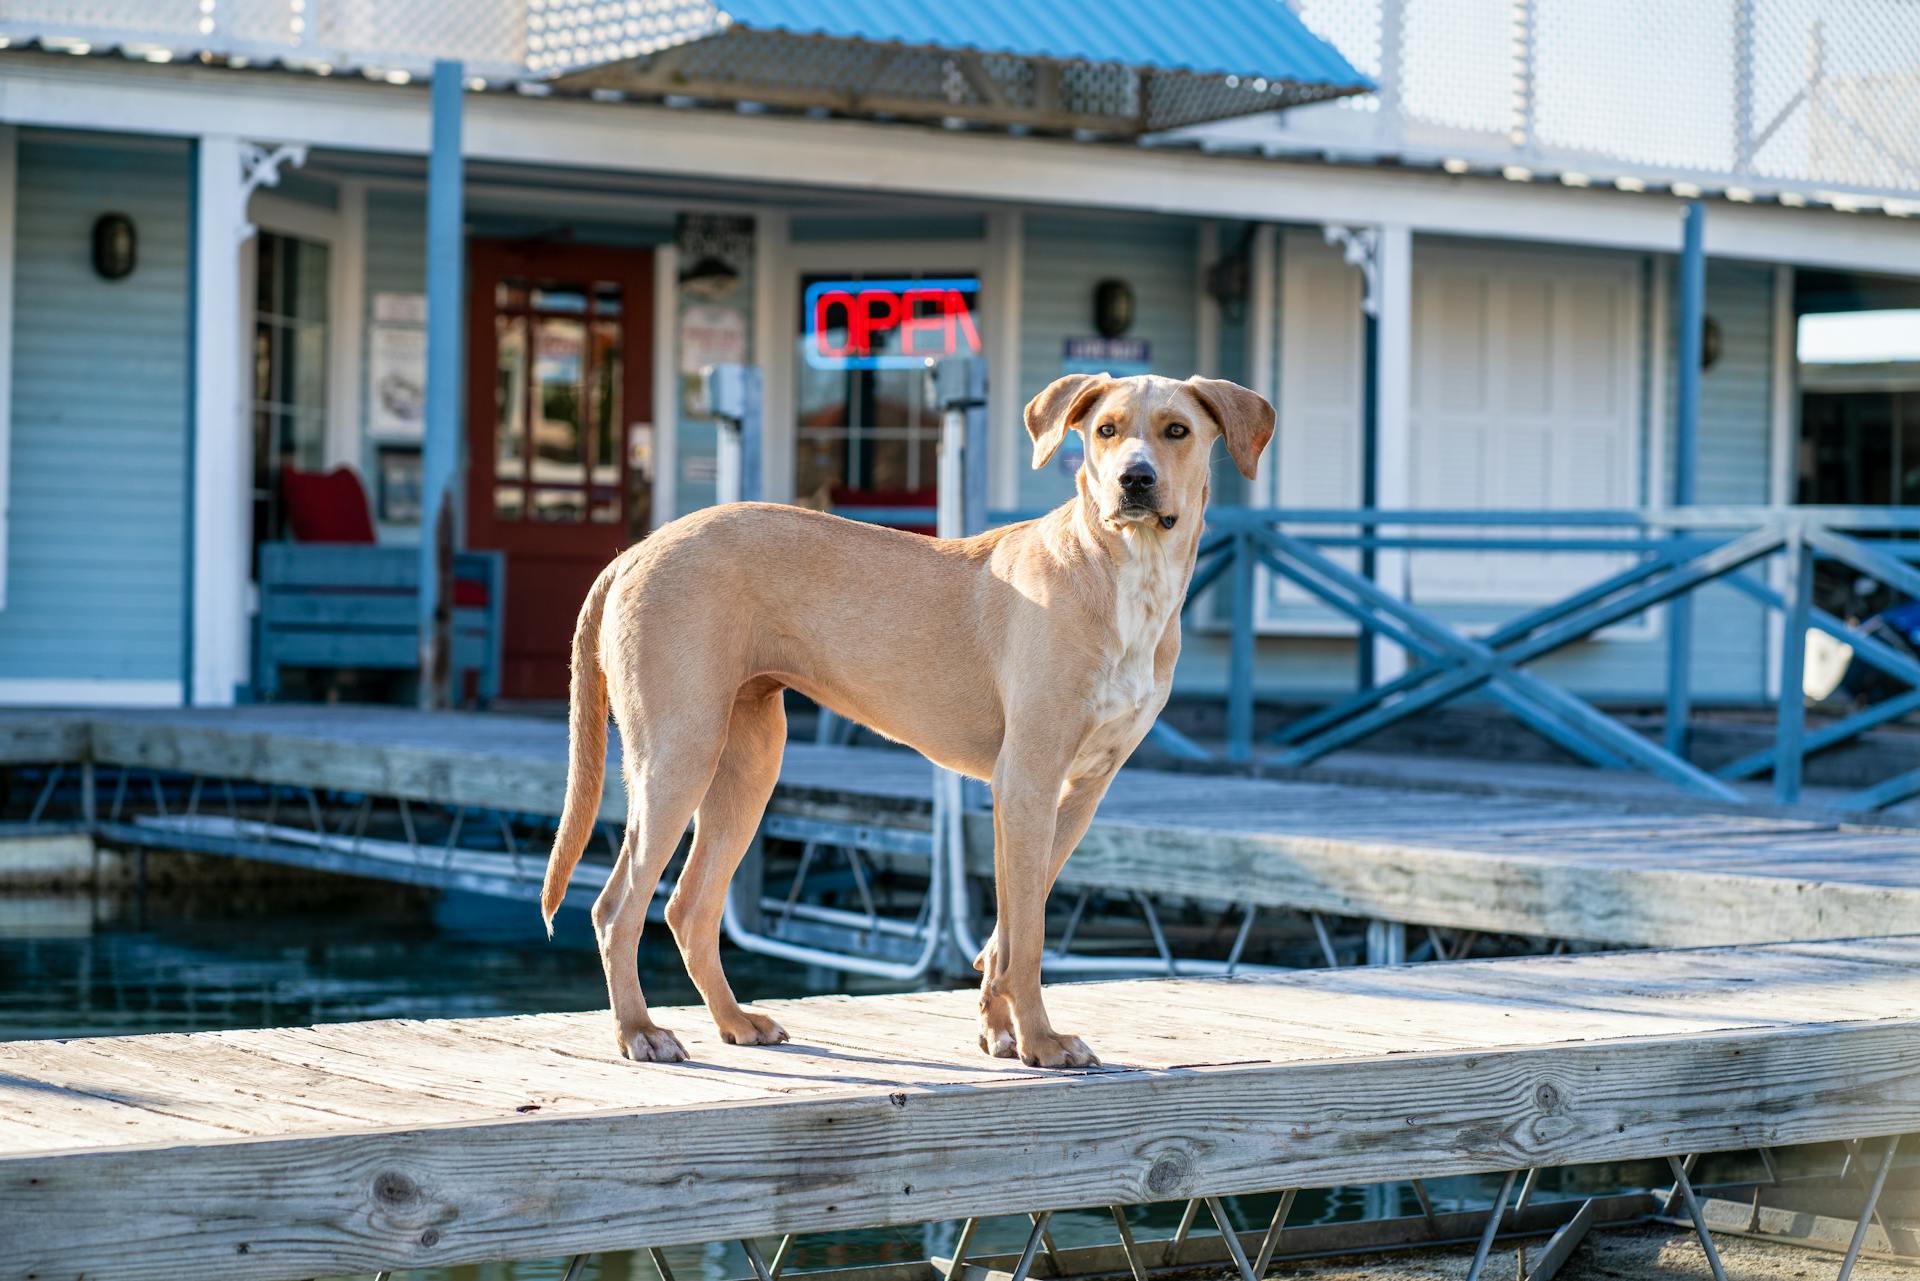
{"x":559,"y":392}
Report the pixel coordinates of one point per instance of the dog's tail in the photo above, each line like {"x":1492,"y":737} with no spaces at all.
{"x":586,"y":748}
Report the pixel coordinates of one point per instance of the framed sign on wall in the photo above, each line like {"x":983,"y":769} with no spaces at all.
{"x":397,"y":499}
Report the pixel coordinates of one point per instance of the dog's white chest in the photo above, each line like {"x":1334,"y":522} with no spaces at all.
{"x":1147,"y":592}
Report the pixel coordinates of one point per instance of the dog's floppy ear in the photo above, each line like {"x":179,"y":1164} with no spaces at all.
{"x":1245,"y":418}
{"x":1061,"y":406}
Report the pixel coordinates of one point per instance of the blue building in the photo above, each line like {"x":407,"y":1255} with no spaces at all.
{"x":213,"y":263}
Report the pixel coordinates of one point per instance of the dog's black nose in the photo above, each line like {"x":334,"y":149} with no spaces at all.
{"x":1137,"y":478}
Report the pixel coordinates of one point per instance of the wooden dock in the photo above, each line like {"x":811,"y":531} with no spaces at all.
{"x":1605,"y":870}
{"x":316,"y":1151}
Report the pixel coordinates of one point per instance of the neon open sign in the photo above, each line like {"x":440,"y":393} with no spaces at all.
{"x":889,"y":324}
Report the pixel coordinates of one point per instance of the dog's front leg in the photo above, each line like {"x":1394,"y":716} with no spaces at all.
{"x":1071,"y":820}
{"x":1025,"y":813}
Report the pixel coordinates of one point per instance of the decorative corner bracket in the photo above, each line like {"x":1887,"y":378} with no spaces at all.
{"x":1360,"y":246}
{"x":260,"y":167}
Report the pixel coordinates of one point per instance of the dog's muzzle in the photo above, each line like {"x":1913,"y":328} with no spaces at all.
{"x":1139,"y":493}
{"x":1141,"y":514}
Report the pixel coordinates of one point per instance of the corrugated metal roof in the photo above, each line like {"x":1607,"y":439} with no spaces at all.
{"x":1250,"y":38}
{"x":1109,"y":66}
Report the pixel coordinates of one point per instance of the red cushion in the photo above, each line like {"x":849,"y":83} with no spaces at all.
{"x":326,"y":507}
{"x":847,"y":498}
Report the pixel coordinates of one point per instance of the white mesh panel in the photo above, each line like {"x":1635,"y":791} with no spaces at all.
{"x":488,"y":35}
{"x":576,"y":33}
{"x":1459,"y":64}
{"x":1837,"y":93}
{"x":1646,"y":82}
{"x":1351,"y":26}
{"x":1814,"y":95}
{"x":133,"y":21}
{"x":1822,"y":96}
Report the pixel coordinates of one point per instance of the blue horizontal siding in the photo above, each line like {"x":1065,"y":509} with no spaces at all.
{"x":1065,"y":257}
{"x":1735,"y":394}
{"x":1730,"y":646}
{"x":96,"y":549}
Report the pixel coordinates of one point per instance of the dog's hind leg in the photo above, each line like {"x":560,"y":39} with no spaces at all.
{"x":662,"y":790}
{"x":728,"y":816}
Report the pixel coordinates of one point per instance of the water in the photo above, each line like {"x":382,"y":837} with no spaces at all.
{"x":336,"y":950}
{"x":111,"y":964}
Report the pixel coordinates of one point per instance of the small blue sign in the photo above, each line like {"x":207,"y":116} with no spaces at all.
{"x":1121,"y":357}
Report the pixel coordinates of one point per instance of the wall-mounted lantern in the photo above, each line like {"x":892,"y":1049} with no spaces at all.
{"x":1112,"y":308}
{"x":1712,"y":342}
{"x":115,"y":246}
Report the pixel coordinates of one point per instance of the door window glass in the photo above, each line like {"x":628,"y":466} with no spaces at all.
{"x":289,"y":400}
{"x":558,"y":411}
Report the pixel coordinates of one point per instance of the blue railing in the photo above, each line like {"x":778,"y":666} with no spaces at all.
{"x":1669,"y":555}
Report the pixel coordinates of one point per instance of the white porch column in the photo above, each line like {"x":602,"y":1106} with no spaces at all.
{"x":774,"y":308}
{"x":1393,"y":413}
{"x":1263,"y":318}
{"x":222,"y":446}
{"x":1206,"y":311}
{"x":226,"y":172}
{"x":346,"y":291}
{"x":1007,"y":450}
{"x":665,"y":411}
{"x":1384,"y":255}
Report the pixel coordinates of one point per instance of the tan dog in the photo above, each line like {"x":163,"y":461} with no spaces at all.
{"x":1035,"y":656}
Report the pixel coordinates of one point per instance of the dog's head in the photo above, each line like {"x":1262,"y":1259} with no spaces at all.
{"x":1149,"y":439}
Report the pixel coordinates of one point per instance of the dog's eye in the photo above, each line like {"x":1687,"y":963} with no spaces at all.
{"x":1104,"y":430}
{"x":1176,"y":430}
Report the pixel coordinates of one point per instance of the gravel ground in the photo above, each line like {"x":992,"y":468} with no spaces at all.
{"x":1620,"y":1254}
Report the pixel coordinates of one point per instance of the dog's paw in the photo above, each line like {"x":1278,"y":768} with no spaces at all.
{"x":752,"y":1029}
{"x":652,"y":1045}
{"x":996,"y":1031}
{"x":998,"y":1042}
{"x":1056,"y":1051}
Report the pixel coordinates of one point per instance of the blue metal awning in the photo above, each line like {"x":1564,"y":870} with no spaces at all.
{"x":1124,"y":66}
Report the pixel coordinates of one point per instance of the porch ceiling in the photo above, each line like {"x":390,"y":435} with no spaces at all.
{"x":1114,"y":66}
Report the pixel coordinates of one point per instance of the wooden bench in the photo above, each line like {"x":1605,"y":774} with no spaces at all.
{"x":343,"y":605}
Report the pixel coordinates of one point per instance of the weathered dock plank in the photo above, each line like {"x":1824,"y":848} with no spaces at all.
{"x":1599,"y":871}
{"x":39,"y":737}
{"x":1455,"y":878}
{"x":405,"y":1144}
